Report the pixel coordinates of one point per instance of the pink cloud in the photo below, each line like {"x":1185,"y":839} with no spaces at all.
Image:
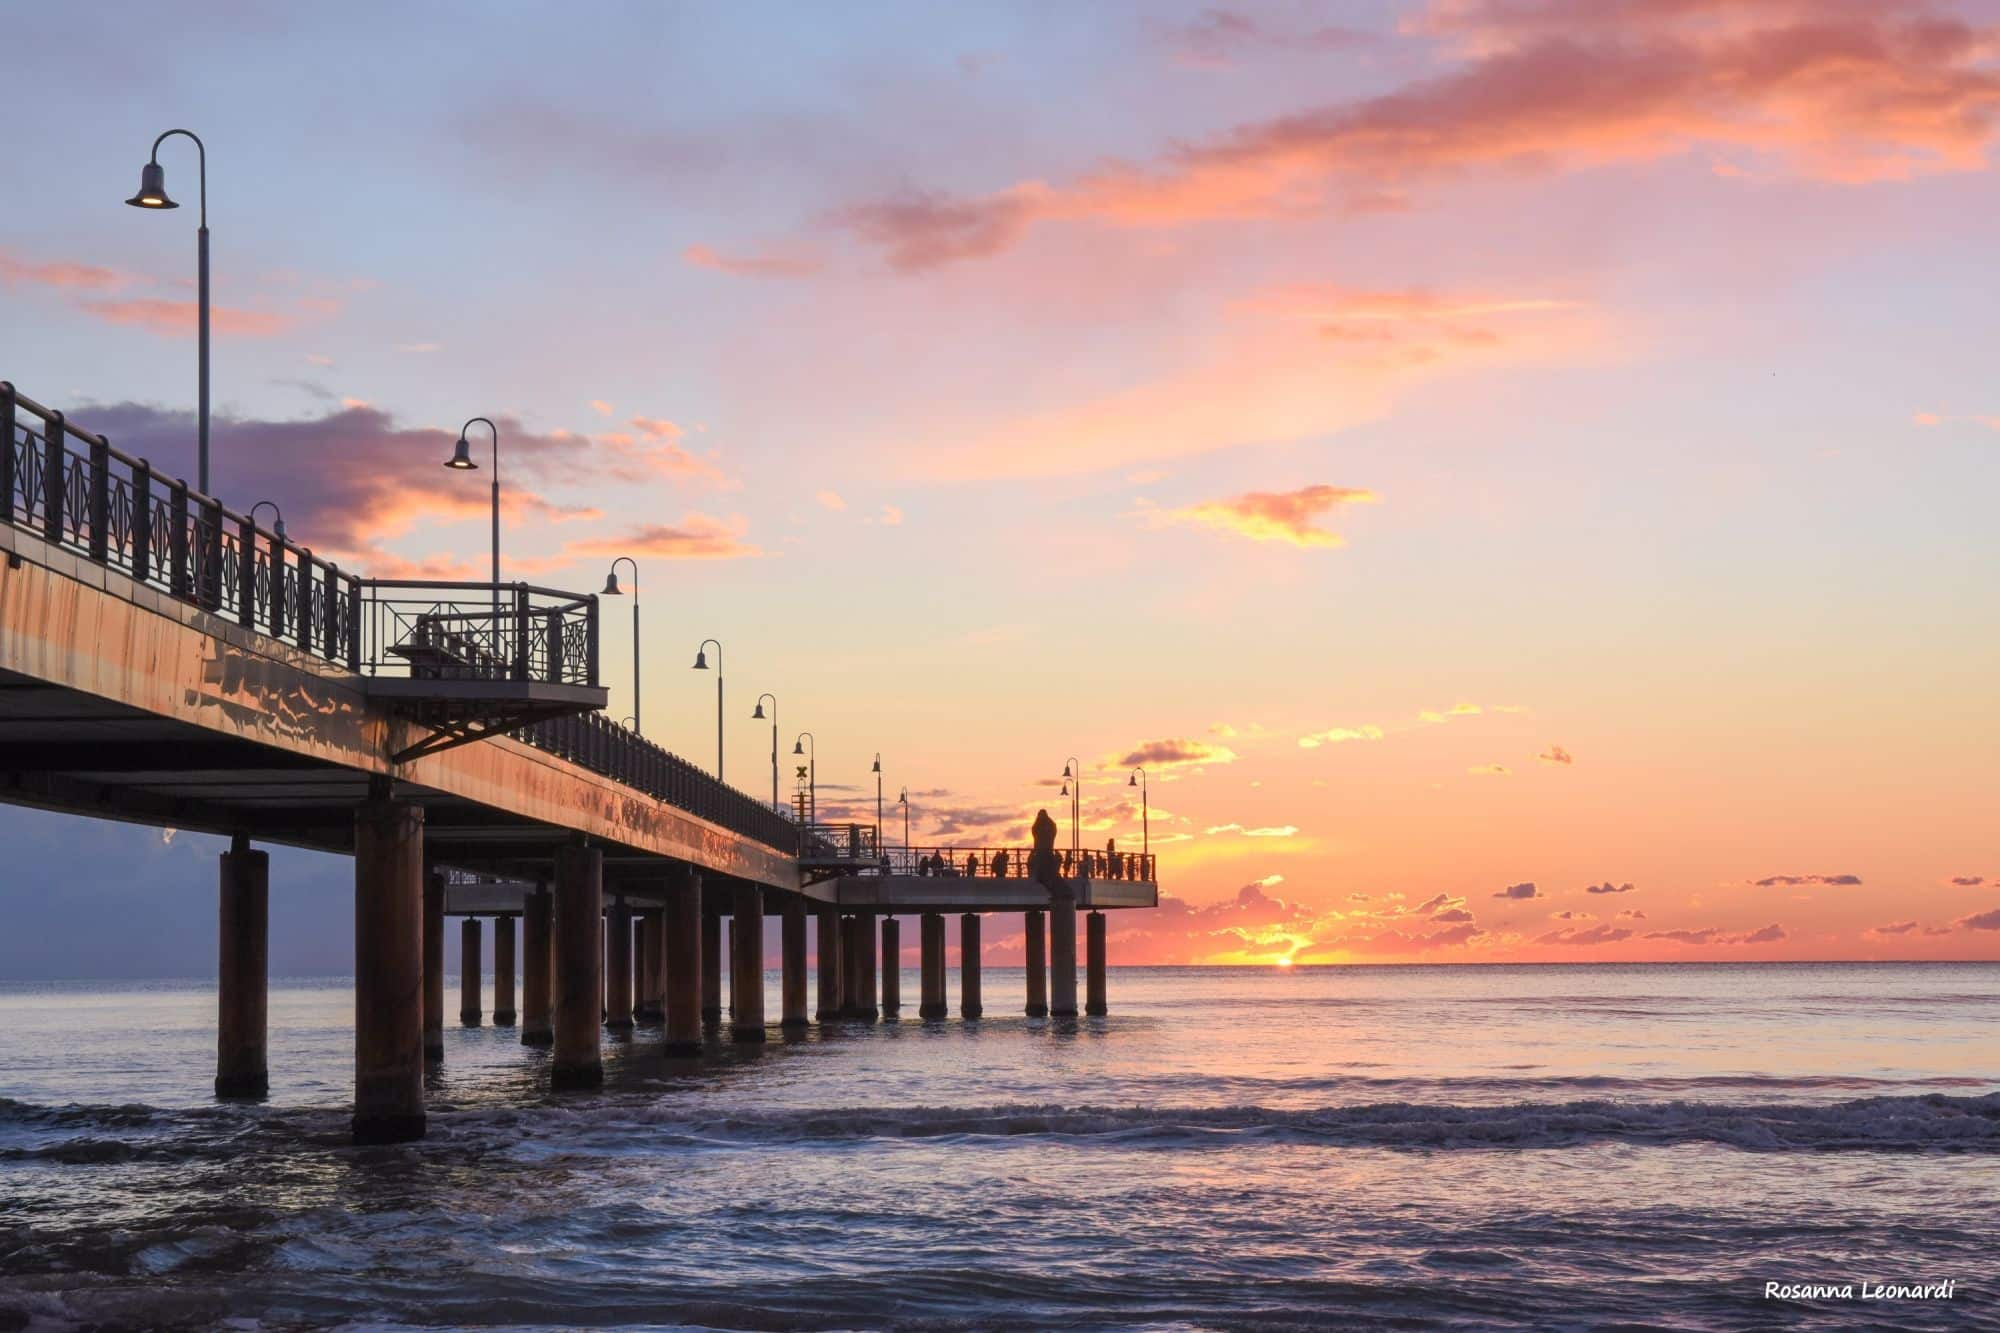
{"x":1288,"y":517}
{"x":753,"y":265}
{"x":175,"y":318}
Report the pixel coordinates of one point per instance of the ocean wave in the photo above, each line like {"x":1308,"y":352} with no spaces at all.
{"x":1932,"y":1123}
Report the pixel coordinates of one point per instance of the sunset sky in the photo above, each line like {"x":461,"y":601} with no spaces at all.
{"x":1520,"y":476}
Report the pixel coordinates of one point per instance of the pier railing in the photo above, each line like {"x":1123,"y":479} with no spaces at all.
{"x":1012,"y":863}
{"x":71,"y":488}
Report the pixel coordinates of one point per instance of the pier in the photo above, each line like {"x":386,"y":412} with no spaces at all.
{"x":165,"y":660}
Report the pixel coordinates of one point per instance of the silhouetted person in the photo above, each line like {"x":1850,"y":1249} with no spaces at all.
{"x":971,"y":865}
{"x":1111,"y":859}
{"x":1000,"y":864}
{"x":924,"y":866}
{"x":1043,"y":861}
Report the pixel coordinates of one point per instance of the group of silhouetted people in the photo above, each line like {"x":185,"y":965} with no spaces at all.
{"x":1107,"y":864}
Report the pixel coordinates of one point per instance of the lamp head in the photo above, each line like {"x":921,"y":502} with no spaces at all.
{"x":1065,"y":770}
{"x":799,"y":746}
{"x":1132,"y":781}
{"x":152,"y":188}
{"x":758,"y":716}
{"x":876,"y":767}
{"x":611,"y":588}
{"x":461,"y":456}
{"x":1065,"y":790}
{"x":278,"y":528}
{"x":701,"y":659}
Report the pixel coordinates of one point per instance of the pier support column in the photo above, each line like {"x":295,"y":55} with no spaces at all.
{"x":682,"y":930}
{"x":389,"y":978}
{"x":930,"y":933}
{"x":746,"y":967}
{"x":503,"y":971}
{"x":618,"y":965}
{"x":243,"y":958}
{"x":537,"y":968}
{"x":826,"y":962}
{"x":434,"y":965}
{"x":792,"y":961}
{"x":850,"y":967}
{"x":646,"y":1005}
{"x":864,"y":952}
{"x":892,"y":967}
{"x":1093,"y":963}
{"x":1038,"y":965}
{"x":968,"y":966}
{"x":469,"y":949}
{"x":579,"y":914}
{"x":711,"y":967}
{"x":1062,"y":951}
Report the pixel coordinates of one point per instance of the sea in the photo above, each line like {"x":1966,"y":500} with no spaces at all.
{"x":1311,"y":1147}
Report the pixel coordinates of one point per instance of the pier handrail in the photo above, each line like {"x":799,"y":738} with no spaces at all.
{"x":119,"y":511}
{"x":985,"y":863}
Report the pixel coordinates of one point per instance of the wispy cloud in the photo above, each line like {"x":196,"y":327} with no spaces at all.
{"x":1175,"y":752}
{"x":1800,"y":881}
{"x":754,"y":265}
{"x":1336,"y":735}
{"x":1288,"y":517}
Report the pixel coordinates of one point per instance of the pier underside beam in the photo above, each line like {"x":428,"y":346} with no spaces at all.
{"x":388,"y":972}
{"x":243,"y":966}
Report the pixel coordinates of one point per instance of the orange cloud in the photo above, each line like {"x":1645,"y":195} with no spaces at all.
{"x":1555,"y":754}
{"x":1270,"y":516}
{"x":1853,"y":94}
{"x":1336,"y":735}
{"x":174,"y":318}
{"x":696,"y":537}
{"x":1176,"y":753}
{"x":753,"y":266}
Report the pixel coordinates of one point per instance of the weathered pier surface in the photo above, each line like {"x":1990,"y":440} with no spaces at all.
{"x":165,"y":660}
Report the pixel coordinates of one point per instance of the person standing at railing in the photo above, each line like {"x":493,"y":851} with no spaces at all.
{"x":1000,"y":864}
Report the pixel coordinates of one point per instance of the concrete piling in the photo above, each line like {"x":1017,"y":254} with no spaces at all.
{"x":746,"y":967}
{"x":892,"y":967}
{"x":618,"y":965}
{"x":864,"y":942}
{"x":647,"y":1005}
{"x":1062,"y":958}
{"x":850,"y":967}
{"x":1093,"y":943}
{"x":537,"y":968}
{"x":1038,"y":965}
{"x":711,"y":967}
{"x":579,"y":986}
{"x":503,"y":971}
{"x":243,"y":959}
{"x":930,"y":934}
{"x":682,"y":929}
{"x":968,"y":966}
{"x":792,"y":962}
{"x":469,"y":997}
{"x":434,"y":965}
{"x":389,"y":976}
{"x":827,"y":951}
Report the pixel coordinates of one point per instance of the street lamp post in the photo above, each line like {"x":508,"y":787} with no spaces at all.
{"x":701,"y":664}
{"x":1073,"y":788}
{"x":877,"y":770}
{"x":277,"y":517}
{"x":611,"y":589}
{"x":1138,"y":779}
{"x":758,"y":716}
{"x":904,"y":800}
{"x":153,"y":194}
{"x":812,"y":773}
{"x":461,"y":461}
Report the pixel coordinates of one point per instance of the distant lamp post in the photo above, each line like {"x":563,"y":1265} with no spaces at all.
{"x":812,"y":774}
{"x":876,"y":769}
{"x":1073,"y":788}
{"x":461,"y":460}
{"x":1138,"y":779}
{"x":630,"y":724}
{"x":153,"y":194}
{"x":611,"y":589}
{"x":701,"y":664}
{"x":758,"y":716}
{"x":277,"y":517}
{"x":903,"y":799}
